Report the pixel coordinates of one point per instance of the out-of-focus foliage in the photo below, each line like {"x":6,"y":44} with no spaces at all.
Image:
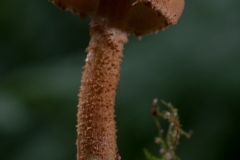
{"x":195,"y":65}
{"x":167,"y":139}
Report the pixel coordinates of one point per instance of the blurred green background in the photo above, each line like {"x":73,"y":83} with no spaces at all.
{"x":195,"y":65}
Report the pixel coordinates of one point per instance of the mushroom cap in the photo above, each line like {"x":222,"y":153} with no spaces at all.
{"x":144,"y":16}
{"x":81,"y":8}
{"x":147,"y":16}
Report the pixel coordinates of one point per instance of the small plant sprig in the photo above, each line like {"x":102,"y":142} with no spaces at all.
{"x":168,"y":142}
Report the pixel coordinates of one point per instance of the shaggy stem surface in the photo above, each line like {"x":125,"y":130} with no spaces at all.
{"x":96,"y":127}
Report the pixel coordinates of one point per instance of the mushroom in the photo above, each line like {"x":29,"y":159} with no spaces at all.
{"x":112,"y":22}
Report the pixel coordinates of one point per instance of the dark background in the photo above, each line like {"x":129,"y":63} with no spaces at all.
{"x":194,"y":64}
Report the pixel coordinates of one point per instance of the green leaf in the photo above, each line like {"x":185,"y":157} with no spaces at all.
{"x":150,"y":156}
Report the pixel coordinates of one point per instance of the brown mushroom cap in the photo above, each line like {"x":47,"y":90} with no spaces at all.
{"x":81,"y":8}
{"x":145,"y":16}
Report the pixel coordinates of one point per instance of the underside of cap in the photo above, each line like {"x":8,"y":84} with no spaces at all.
{"x":142,"y":16}
{"x":148,"y":16}
{"x":81,"y":8}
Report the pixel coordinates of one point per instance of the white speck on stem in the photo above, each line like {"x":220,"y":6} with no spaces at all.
{"x":88,"y":55}
{"x":105,"y":143}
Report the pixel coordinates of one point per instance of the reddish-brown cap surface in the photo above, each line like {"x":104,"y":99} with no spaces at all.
{"x":144,"y":16}
{"x":147,"y":16}
{"x":81,"y":8}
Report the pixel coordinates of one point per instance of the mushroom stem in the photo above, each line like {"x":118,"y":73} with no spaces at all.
{"x":96,"y":126}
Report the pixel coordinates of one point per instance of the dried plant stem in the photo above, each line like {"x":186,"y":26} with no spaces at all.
{"x":96,"y":126}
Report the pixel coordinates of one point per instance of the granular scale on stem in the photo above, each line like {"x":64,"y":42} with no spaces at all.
{"x":96,"y":125}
